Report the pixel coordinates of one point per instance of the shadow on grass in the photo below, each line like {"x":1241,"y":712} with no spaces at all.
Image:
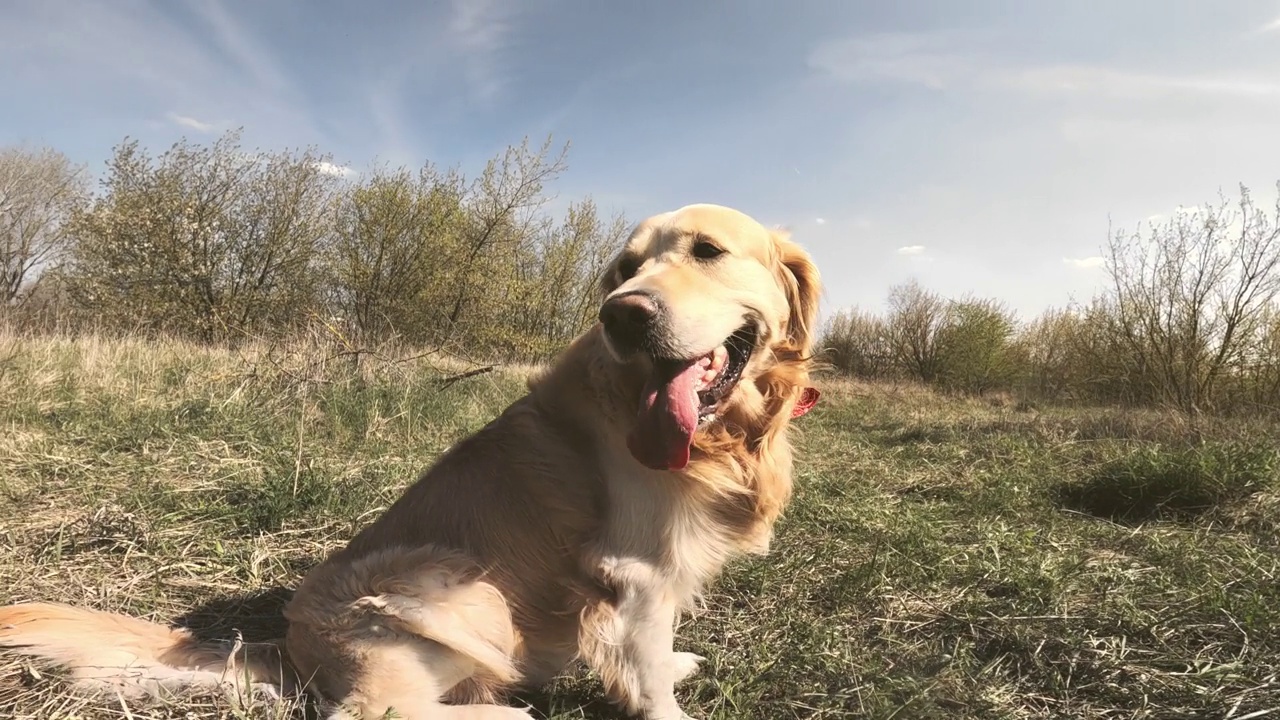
{"x":1158,"y":483}
{"x":258,"y":616}
{"x":574,"y":697}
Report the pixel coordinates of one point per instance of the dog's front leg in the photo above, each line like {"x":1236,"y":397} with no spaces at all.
{"x":628,"y":639}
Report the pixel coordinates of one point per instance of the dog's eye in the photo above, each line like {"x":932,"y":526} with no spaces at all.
{"x":627,"y":267}
{"x":706,"y":250}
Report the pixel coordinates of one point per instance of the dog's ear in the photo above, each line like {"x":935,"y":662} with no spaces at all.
{"x":620,"y":266}
{"x":799,"y":275}
{"x":616,"y":271}
{"x":608,"y":281}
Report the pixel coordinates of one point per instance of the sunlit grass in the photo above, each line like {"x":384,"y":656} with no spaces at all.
{"x":944,"y":557}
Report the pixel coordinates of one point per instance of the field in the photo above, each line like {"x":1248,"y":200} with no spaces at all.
{"x":943,"y":558}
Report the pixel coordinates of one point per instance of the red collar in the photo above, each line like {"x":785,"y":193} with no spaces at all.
{"x":808,"y":399}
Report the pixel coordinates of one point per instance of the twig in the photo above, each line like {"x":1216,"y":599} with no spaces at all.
{"x":446,"y":382}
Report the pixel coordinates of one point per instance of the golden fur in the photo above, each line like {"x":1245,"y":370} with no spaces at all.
{"x":540,"y":539}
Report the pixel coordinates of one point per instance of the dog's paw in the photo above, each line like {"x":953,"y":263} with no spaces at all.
{"x":686,"y":664}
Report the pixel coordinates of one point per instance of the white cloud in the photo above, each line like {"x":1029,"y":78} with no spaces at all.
{"x":329,"y":168}
{"x":1087,"y":263}
{"x":911,"y":250}
{"x":191,"y":123}
{"x":820,"y":221}
{"x":1272,"y":26}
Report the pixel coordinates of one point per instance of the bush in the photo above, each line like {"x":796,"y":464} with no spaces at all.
{"x":203,"y":242}
{"x":856,"y":343}
{"x":974,"y":350}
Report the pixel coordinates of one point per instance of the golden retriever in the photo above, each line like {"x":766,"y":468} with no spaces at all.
{"x":575,"y":526}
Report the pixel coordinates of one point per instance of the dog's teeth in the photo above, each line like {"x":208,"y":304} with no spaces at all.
{"x":713,"y":362}
{"x":707,"y":378}
{"x":719,"y":357}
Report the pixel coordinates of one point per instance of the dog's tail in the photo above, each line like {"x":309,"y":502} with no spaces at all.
{"x":105,"y":650}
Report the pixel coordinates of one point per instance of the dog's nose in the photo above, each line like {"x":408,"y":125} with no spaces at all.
{"x":628,"y":318}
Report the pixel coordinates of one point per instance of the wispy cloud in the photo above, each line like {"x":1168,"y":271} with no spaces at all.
{"x":162,"y":64}
{"x":1272,"y":26}
{"x":911,"y":250}
{"x":478,"y":29}
{"x":1116,"y":83}
{"x":930,"y":59}
{"x":820,"y":221}
{"x":239,"y":45}
{"x":951,"y":61}
{"x":329,"y":168}
{"x":191,"y":123}
{"x":385,"y":98}
{"x":1087,"y":263}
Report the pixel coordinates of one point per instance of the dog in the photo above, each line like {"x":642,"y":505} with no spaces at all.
{"x":576,"y":526}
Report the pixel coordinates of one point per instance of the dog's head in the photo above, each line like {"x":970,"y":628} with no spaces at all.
{"x":704,"y":300}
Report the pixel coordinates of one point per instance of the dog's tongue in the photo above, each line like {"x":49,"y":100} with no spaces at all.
{"x":668,"y":416}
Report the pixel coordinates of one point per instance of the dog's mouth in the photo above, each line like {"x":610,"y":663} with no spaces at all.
{"x":683,"y":395}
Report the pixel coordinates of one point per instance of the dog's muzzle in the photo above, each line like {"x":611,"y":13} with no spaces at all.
{"x":631,"y":321}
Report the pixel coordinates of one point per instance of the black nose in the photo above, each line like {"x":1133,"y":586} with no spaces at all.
{"x":628,"y":319}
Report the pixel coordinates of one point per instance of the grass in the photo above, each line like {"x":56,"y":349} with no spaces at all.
{"x":1180,"y":482}
{"x":943,"y":558}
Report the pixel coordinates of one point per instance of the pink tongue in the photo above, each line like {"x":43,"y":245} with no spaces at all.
{"x":668,"y":418}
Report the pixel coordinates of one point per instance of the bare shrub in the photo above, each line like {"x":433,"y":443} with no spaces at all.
{"x":39,"y":191}
{"x":1188,"y":298}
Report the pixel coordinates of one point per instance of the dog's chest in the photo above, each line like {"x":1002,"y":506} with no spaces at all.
{"x":652,"y":517}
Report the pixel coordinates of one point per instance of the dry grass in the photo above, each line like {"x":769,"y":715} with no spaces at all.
{"x":931,"y":566}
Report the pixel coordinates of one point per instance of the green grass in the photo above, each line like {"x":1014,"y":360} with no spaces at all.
{"x":943,"y":557}
{"x":1180,"y":482}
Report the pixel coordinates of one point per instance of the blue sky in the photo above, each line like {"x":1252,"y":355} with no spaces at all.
{"x":978,"y":146}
